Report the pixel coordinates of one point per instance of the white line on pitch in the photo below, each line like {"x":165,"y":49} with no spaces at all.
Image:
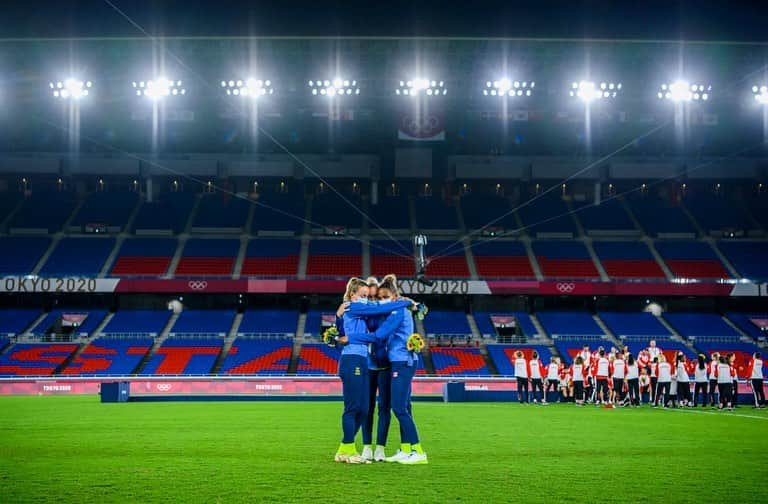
{"x":718,"y":413}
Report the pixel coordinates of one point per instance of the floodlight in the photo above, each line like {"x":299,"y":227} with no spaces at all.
{"x":505,"y":87}
{"x":761,"y":94}
{"x":339,"y":86}
{"x":684,"y":91}
{"x":160,"y":88}
{"x":71,"y":88}
{"x":248,"y":87}
{"x":420,"y":86}
{"x":588,"y":91}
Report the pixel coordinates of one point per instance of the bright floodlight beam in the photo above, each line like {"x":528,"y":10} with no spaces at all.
{"x":761,"y":94}
{"x":334,"y":88}
{"x":70,"y":89}
{"x":681,"y":91}
{"x":421,"y":86}
{"x":248,"y":88}
{"x":588,"y":91}
{"x":506,"y":87}
{"x":159,"y":88}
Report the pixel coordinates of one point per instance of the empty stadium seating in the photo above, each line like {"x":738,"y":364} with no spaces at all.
{"x":331,"y":210}
{"x":446,"y":323}
{"x":689,"y":259}
{"x":213,"y":257}
{"x":20,"y":254}
{"x":168,"y":214}
{"x":702,"y":326}
{"x":78,"y":256}
{"x":334,"y":258}
{"x":257,"y":322}
{"x":434,"y":213}
{"x":109,"y":356}
{"x":624,"y":259}
{"x":458,"y":362}
{"x":265,"y":257}
{"x":661,"y":218}
{"x":561,"y":324}
{"x":318,"y":359}
{"x":184,"y":356}
{"x":503,"y":356}
{"x":44,"y":212}
{"x":53,"y":322}
{"x":279,"y":213}
{"x":221,"y":213}
{"x":13,"y":322}
{"x":112,"y":209}
{"x":392,"y":212}
{"x":606,"y":219}
{"x":547,"y":217}
{"x":502,"y":259}
{"x":634,"y":325}
{"x":144,"y":257}
{"x":203,"y":322}
{"x":446,"y":259}
{"x":390,"y":257}
{"x":35,"y":359}
{"x":718,"y":216}
{"x":137,"y":323}
{"x":484,"y":325}
{"x":564,"y":259}
{"x":748,"y":257}
{"x":487,"y":210}
{"x":744,"y":322}
{"x":8,"y":202}
{"x":259,"y":356}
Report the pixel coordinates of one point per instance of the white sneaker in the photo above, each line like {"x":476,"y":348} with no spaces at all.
{"x":397,"y":457}
{"x":415,"y":458}
{"x":357,"y":459}
{"x":367,"y":453}
{"x":378,"y":454}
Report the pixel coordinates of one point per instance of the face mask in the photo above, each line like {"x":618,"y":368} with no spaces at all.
{"x":362,"y":300}
{"x":384,"y":300}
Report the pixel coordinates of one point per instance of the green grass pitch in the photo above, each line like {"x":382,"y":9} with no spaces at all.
{"x":74,"y":449}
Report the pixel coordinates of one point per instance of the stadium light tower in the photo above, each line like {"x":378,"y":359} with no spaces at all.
{"x":70,"y":89}
{"x":159,"y":88}
{"x":506,"y":87}
{"x":250,"y":87}
{"x":683,"y":91}
{"x":761,"y":94}
{"x":588,"y":91}
{"x":331,"y":88}
{"x":420,"y":86}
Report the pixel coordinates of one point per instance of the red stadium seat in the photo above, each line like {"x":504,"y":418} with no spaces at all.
{"x":450,"y":266}
{"x":149,"y":266}
{"x":567,"y":268}
{"x":271,"y":266}
{"x":383,"y":265}
{"x":496,"y":267}
{"x":334,"y":265}
{"x":632,"y":268}
{"x":697,"y":268}
{"x":205,"y":266}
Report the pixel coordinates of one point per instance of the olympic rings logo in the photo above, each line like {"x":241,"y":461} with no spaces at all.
{"x":197,"y":284}
{"x":421,"y":126}
{"x":566,"y":287}
{"x":163,"y":387}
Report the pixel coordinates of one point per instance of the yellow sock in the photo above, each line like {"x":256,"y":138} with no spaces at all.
{"x":346,"y":449}
{"x":417,"y":448}
{"x":405,"y":447}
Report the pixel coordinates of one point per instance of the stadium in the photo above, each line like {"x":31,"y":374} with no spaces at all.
{"x":201,"y":226}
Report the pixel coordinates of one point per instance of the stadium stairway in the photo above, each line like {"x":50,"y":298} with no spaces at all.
{"x":228,"y":340}
{"x":301,"y":324}
{"x":611,"y":336}
{"x":676,"y":336}
{"x":596,"y":260}
{"x":110,"y":262}
{"x":25,"y":335}
{"x":723,"y":259}
{"x":743,"y":336}
{"x":529,"y":251}
{"x":658,"y":258}
{"x":301,"y":273}
{"x":157,"y":343}
{"x":470,"y":257}
{"x":240,"y":258}
{"x":182,"y":241}
{"x":492,"y":369}
{"x":54,"y":243}
{"x":473,"y":327}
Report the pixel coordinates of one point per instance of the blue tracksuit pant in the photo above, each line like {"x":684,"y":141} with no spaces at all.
{"x":353,"y":371}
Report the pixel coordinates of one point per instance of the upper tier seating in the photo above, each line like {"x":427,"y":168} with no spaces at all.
{"x":718,"y":216}
{"x":390,"y":257}
{"x":434,"y":213}
{"x":213,"y":257}
{"x":497,"y":259}
{"x":606,"y":219}
{"x":485,"y":326}
{"x":446,"y":259}
{"x":487,"y":210}
{"x":446,"y":322}
{"x":110,"y":356}
{"x":561,"y":324}
{"x":661,"y":218}
{"x":35,"y":359}
{"x":184,"y":356}
{"x":750,"y":258}
{"x":137,"y":323}
{"x":221,"y":213}
{"x":257,"y":322}
{"x":564,"y":259}
{"x":43,"y":211}
{"x":548,"y":217}
{"x":689,"y":259}
{"x":330,"y":209}
{"x":203,"y":322}
{"x":270,"y":257}
{"x":20,"y":254}
{"x":634,"y":325}
{"x":14,"y":321}
{"x":283,"y":213}
{"x":503,"y":356}
{"x":259,"y":356}
{"x":392,"y":212}
{"x":8,"y":202}
{"x":622,"y":259}
{"x":335,"y":258}
{"x":169,"y":214}
{"x":702,"y":326}
{"x":144,"y":257}
{"x":78,"y":257}
{"x":458,"y":362}
{"x":106,"y":208}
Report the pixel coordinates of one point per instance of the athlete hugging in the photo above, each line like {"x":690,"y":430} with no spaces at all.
{"x":378,"y":356}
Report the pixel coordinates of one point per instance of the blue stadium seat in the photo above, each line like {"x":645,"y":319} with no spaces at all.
{"x":503,"y":356}
{"x":269,"y":322}
{"x":203,"y":322}
{"x":547,"y":216}
{"x":111,"y":208}
{"x":168,"y":214}
{"x":702,"y":326}
{"x":565,"y":324}
{"x":485,"y":326}
{"x":20,"y":254}
{"x":137,"y":322}
{"x":78,"y":256}
{"x":607,"y":218}
{"x":446,"y":322}
{"x":627,"y":259}
{"x":279,"y":212}
{"x":47,"y":211}
{"x":660,"y":217}
{"x":743,"y":321}
{"x":109,"y":356}
{"x":221,"y":211}
{"x":258,"y":356}
{"x":184,"y":356}
{"x":481,"y":209}
{"x":14,"y":321}
{"x":750,"y":258}
{"x":432,"y":212}
{"x":392,"y":212}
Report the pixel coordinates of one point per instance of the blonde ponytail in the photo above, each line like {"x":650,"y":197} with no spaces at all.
{"x":353,"y":285}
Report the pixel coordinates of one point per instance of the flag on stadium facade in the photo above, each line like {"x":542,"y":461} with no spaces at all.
{"x":422,"y":127}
